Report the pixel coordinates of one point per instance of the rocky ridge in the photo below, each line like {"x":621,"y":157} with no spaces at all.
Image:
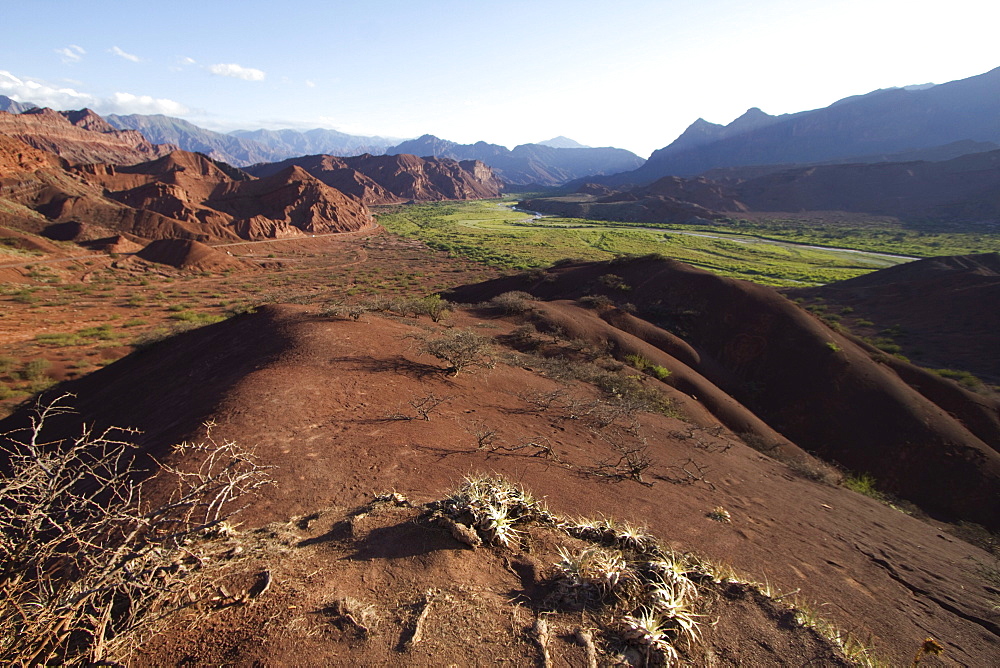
{"x":392,"y":179}
{"x":81,"y":137}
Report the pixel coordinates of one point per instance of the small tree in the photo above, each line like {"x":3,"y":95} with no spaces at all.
{"x":461,"y":348}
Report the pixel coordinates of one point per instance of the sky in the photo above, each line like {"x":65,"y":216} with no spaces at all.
{"x":631,"y":74}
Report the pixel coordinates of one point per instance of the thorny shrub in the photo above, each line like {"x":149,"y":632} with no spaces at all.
{"x":85,"y":564}
{"x":461,"y":349}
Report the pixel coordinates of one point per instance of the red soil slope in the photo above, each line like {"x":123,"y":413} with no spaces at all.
{"x":324,"y":401}
{"x":946,"y":309}
{"x":816,"y":387}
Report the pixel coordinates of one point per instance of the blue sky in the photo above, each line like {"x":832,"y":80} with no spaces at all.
{"x":631,"y":74}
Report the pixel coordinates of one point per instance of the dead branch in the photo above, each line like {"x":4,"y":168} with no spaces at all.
{"x":686,"y":472}
{"x":85,"y":564}
{"x":540,"y":631}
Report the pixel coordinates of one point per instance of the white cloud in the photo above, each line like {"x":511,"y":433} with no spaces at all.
{"x":237,"y":72}
{"x":45,"y":95}
{"x":310,"y":84}
{"x":122,"y":54}
{"x":188,"y":61}
{"x":127,"y":103}
{"x":71,"y":53}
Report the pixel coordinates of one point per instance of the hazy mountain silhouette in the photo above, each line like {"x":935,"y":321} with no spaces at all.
{"x":527,"y":164}
{"x":247,"y":147}
{"x":891,"y":120}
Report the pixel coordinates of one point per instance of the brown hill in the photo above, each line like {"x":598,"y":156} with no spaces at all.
{"x":962,"y":189}
{"x":670,"y":199}
{"x":391,"y":179}
{"x":187,"y":254}
{"x":941,"y":309}
{"x":80,"y":137}
{"x":289,"y":202}
{"x":181,"y":195}
{"x":191,"y":187}
{"x":334,"y":172}
{"x":816,"y":387}
{"x":331,"y":405}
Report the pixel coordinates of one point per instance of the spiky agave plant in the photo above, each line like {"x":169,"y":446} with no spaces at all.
{"x":494,"y":507}
{"x":497,"y":524}
{"x":603,"y":570}
{"x":650,"y":631}
{"x":672,"y":571}
{"x":632,"y":537}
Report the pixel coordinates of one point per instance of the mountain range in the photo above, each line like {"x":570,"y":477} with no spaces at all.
{"x":964,"y":190}
{"x":862,"y":128}
{"x":549,"y":163}
{"x":243,"y":148}
{"x":529,"y":164}
{"x":71,"y":176}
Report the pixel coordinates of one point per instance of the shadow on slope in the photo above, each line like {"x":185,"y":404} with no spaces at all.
{"x":945,"y":308}
{"x":326,"y":402}
{"x":817,"y":387}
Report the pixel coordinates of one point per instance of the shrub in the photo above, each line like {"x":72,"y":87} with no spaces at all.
{"x":863,"y":484}
{"x":83,"y":568}
{"x":6,"y":364}
{"x":646,"y":366}
{"x":35,"y":369}
{"x":523,"y":336}
{"x":614,"y":282}
{"x":596,"y":301}
{"x":460,"y":348}
{"x":962,"y":377}
{"x":512,"y":303}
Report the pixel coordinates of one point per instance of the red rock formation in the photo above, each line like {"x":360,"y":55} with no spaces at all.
{"x":391,"y":179}
{"x":80,"y":137}
{"x":181,"y":195}
{"x":187,"y":254}
{"x":288,"y":203}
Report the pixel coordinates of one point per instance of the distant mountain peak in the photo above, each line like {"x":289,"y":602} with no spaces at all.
{"x":702,"y":124}
{"x":562,"y":142}
{"x":883,"y":122}
{"x":751,"y":119}
{"x":13,"y":106}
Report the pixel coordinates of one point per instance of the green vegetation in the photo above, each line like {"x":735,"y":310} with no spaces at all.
{"x":196,"y":317}
{"x":964,"y":378}
{"x":488,"y":231}
{"x":879,"y":237}
{"x":864,"y":484}
{"x":643,"y":364}
{"x":84,"y":336}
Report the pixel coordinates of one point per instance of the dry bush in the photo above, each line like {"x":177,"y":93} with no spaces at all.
{"x":523,"y":337}
{"x":85,"y":565}
{"x":341,"y":309}
{"x":512,"y":303}
{"x":461,"y":349}
{"x":410,"y":307}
